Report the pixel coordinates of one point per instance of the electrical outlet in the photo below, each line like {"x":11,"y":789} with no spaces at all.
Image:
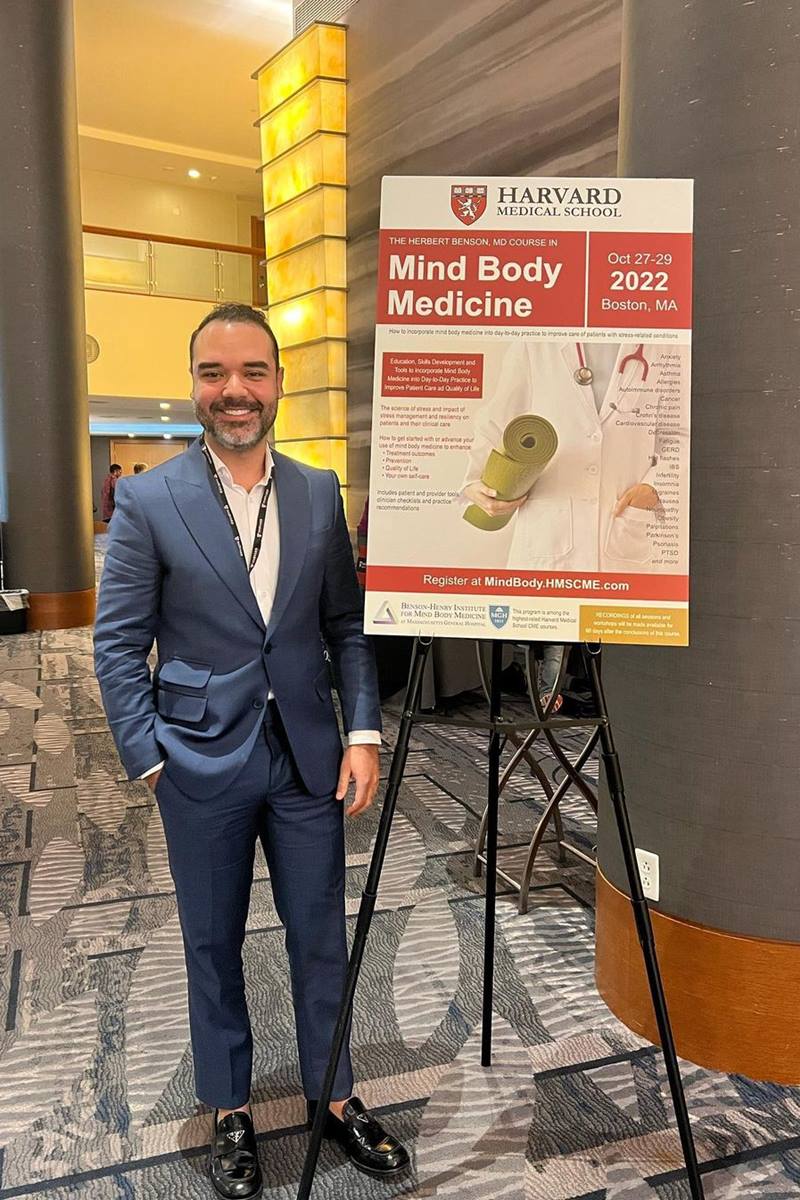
{"x":648,"y":872}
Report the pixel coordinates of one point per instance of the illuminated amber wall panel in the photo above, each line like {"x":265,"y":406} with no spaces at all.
{"x":319,"y":159}
{"x":317,"y":52}
{"x":320,"y":105}
{"x":320,"y":314}
{"x":321,"y":365}
{"x":303,"y":416}
{"x":322,"y":211}
{"x":321,"y":263}
{"x":303,"y":131}
{"x":328,"y":453}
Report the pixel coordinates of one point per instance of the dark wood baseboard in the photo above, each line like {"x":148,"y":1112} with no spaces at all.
{"x":732,"y":999}
{"x":61,"y":610}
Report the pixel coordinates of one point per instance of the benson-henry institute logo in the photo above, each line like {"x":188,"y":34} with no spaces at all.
{"x":498,"y":614}
{"x":468,"y":201}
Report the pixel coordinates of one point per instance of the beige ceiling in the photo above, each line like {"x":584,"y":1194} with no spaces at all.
{"x":166,"y":83}
{"x":143,"y":408}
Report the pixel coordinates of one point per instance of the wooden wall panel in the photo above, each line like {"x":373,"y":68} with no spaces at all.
{"x":732,"y":1000}
{"x":61,"y":610}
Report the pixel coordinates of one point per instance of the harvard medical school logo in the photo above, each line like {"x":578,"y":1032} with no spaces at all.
{"x":498,"y":614}
{"x":468,"y":202}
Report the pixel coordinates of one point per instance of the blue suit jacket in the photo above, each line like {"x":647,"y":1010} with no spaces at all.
{"x":173,"y":573}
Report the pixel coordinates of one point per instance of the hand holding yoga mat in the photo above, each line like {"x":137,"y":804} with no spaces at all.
{"x":528,"y":445}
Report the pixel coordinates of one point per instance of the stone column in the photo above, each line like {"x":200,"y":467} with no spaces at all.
{"x":709,"y":737}
{"x":44,"y":418}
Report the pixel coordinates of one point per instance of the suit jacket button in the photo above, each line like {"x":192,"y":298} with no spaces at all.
{"x":258,"y":704}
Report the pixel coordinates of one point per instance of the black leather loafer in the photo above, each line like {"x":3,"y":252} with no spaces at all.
{"x":233,"y":1167}
{"x":369,"y":1147}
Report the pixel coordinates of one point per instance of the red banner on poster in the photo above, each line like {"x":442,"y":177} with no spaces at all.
{"x":432,"y":278}
{"x":528,"y":583}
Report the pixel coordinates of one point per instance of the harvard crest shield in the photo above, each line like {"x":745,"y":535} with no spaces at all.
{"x":468,"y":201}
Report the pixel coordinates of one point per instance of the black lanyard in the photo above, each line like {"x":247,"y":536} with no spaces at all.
{"x":262,"y":512}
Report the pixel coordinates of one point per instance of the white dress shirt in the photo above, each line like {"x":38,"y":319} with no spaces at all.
{"x":244,"y":506}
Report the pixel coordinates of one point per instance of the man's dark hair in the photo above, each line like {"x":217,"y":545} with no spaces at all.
{"x":238,"y":314}
{"x":114,"y":467}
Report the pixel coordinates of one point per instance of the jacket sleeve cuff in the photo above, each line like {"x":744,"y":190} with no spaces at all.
{"x":139,"y":758}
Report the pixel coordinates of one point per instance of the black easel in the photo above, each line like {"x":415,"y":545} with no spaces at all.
{"x":497,"y":727}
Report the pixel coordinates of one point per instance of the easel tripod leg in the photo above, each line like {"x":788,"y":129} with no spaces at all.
{"x":492,"y":805}
{"x":365,"y":912}
{"x":644,"y":925}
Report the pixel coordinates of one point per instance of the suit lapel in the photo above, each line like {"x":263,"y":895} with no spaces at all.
{"x":202,"y":514}
{"x":294,"y":521}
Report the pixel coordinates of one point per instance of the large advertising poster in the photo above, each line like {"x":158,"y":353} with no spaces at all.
{"x":530,"y":437}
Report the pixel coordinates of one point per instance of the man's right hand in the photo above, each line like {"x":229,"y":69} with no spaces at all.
{"x":152,"y":780}
{"x":486,"y":498}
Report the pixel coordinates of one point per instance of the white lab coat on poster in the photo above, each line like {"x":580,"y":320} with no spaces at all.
{"x":604,"y":447}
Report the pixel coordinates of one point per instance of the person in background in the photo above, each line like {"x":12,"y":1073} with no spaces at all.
{"x":107,"y":492}
{"x":139,"y":467}
{"x":552,"y":653}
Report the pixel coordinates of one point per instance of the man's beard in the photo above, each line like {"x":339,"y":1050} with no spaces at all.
{"x":237,"y":437}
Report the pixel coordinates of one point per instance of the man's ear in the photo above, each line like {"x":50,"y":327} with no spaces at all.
{"x":280,"y":383}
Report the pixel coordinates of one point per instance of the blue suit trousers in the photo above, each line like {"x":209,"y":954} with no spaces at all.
{"x":211,"y":846}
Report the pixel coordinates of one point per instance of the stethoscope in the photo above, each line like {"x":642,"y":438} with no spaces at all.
{"x":584,"y":374}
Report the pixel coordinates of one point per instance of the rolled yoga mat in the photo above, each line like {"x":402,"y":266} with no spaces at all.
{"x":528,"y":445}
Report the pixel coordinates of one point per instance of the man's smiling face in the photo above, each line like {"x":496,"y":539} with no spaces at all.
{"x":236,"y":385}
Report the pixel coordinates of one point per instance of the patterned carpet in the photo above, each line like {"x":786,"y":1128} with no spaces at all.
{"x":96,"y":1097}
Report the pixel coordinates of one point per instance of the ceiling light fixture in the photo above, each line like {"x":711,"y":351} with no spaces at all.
{"x":164,"y":404}
{"x":165,"y":418}
{"x":168,"y":437}
{"x":193,"y":173}
{"x":131,"y":435}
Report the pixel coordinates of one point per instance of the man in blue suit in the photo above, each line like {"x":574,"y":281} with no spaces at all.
{"x":236,"y":560}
